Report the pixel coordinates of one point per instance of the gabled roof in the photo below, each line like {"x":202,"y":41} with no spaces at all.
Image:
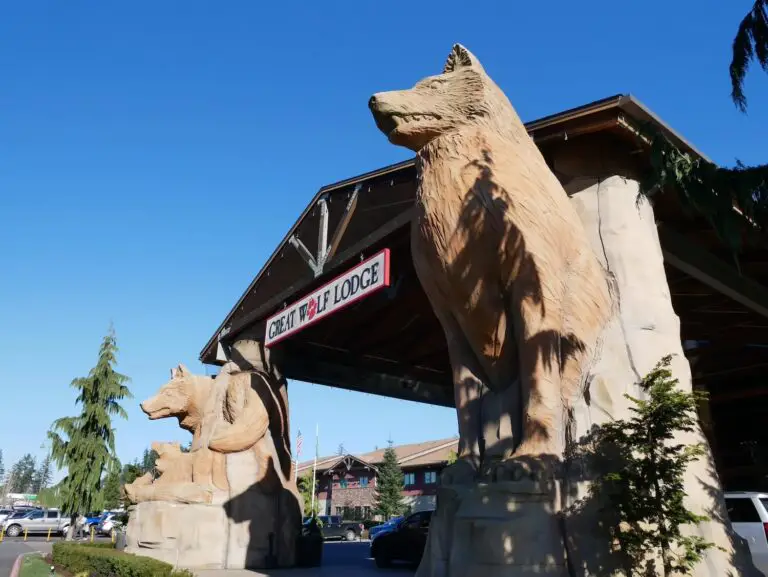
{"x":257,"y":302}
{"x":411,"y":455}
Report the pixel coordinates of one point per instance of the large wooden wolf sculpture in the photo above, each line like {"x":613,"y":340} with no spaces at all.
{"x":550,"y":315}
{"x":503,"y":258}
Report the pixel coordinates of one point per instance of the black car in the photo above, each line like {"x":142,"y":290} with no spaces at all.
{"x":334,"y":527}
{"x":405,"y":542}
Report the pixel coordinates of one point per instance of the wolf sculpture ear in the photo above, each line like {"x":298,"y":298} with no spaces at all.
{"x":179,"y":372}
{"x":460,"y":57}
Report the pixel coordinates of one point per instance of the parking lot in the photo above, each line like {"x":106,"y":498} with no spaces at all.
{"x":340,"y":559}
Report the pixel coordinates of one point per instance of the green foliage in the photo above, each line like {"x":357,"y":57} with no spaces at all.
{"x":43,"y":475}
{"x":22,"y":476}
{"x":35,"y":566}
{"x":148,"y":460}
{"x":108,"y":562}
{"x":305,"y":490}
{"x":389,"y":486}
{"x":341,"y":451}
{"x":710,"y":190}
{"x":110,"y":491}
{"x":130,"y":473}
{"x":50,"y":497}
{"x":643,"y":484}
{"x":85,"y":445}
{"x":452,"y":456}
{"x":2,"y":468}
{"x":750,"y":43}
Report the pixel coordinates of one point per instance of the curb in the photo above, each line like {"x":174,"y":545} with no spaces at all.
{"x":17,"y":566}
{"x":19,"y":560}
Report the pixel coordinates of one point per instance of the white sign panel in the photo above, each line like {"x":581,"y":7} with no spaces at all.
{"x":365,"y":279}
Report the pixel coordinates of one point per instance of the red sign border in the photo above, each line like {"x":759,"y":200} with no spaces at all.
{"x":353,"y":300}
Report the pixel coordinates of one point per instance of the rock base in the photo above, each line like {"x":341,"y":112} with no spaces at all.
{"x":190,"y":536}
{"x":507,"y":529}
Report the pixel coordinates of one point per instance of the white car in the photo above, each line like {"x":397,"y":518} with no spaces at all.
{"x":4,"y":513}
{"x":749,"y":517}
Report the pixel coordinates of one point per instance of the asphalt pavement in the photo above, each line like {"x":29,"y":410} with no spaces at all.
{"x":340,"y":559}
{"x":12,"y":548}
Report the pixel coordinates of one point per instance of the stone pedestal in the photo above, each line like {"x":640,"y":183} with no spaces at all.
{"x":507,"y":529}
{"x":184,"y":535}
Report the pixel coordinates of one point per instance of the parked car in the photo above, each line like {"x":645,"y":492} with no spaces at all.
{"x":334,"y":527}
{"x":108,"y":521}
{"x":36,"y":522}
{"x":384,"y":527}
{"x":405,"y":542}
{"x":92,"y":519}
{"x":748,"y":515}
{"x":4,"y":513}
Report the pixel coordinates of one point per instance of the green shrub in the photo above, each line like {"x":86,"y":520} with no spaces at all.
{"x":101,"y":561}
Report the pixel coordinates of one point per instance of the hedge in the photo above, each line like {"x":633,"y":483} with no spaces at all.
{"x":108,"y":562}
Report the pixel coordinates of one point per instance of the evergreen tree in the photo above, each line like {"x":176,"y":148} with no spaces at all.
{"x":644,"y":479}
{"x":340,"y":450}
{"x":148,"y":460}
{"x":85,"y":445}
{"x":305,"y":490}
{"x":2,"y":468}
{"x":131,"y":472}
{"x":23,"y":475}
{"x":43,"y":475}
{"x":111,"y":489}
{"x":389,"y":486}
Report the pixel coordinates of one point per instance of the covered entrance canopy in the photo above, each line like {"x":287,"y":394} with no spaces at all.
{"x":391,"y":344}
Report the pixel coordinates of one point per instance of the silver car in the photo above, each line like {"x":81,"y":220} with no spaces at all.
{"x":37,"y":522}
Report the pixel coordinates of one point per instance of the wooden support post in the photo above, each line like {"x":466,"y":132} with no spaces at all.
{"x":92,"y":534}
{"x":49,"y":535}
{"x":25,"y":533}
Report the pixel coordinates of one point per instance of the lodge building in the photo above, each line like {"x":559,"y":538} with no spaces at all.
{"x":346,"y":484}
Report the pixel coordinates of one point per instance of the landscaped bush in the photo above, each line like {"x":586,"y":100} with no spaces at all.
{"x":107,"y":562}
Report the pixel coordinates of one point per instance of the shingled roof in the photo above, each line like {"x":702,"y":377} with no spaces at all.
{"x":412,"y":455}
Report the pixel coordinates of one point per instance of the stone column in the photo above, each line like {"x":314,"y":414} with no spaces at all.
{"x":623,"y":233}
{"x":272,"y":505}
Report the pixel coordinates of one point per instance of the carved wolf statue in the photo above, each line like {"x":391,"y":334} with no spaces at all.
{"x":501,"y":255}
{"x":535,"y":317}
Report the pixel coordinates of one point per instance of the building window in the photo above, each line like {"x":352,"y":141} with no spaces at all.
{"x":430,"y":477}
{"x":363,"y":481}
{"x":358,"y":513}
{"x":409,"y":479}
{"x":366,"y":512}
{"x":338,"y":510}
{"x":343,"y":483}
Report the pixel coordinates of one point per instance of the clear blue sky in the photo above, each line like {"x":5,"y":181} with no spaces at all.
{"x":152,"y":154}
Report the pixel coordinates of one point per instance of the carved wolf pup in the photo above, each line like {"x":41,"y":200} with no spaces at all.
{"x":505,"y":262}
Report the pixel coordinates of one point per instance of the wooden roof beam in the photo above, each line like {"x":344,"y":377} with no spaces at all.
{"x":685,"y":256}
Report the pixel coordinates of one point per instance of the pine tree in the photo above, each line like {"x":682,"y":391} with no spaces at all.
{"x":340,"y":451}
{"x":148,"y":460}
{"x":389,"y":486}
{"x":644,"y":480}
{"x":85,"y":445}
{"x":23,"y":475}
{"x":111,"y":488}
{"x":43,"y":476}
{"x":2,"y":468}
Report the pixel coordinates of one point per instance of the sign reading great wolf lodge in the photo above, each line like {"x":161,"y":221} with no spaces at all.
{"x":365,"y":279}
